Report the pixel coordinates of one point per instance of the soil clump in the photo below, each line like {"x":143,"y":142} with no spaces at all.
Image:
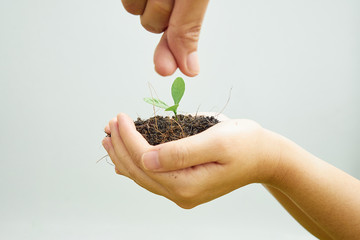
{"x":159,"y":129}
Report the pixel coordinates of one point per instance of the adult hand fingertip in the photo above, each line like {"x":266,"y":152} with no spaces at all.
{"x":105,"y":143}
{"x":117,"y":171}
{"x":164,"y":61}
{"x":124,"y":120}
{"x":165,"y":68}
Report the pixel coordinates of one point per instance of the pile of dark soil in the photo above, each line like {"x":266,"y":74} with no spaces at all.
{"x":160,"y":129}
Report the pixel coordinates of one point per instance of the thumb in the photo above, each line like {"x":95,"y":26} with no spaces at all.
{"x":183,"y":33}
{"x":184,"y":153}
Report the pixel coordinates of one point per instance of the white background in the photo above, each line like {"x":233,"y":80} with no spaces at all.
{"x":67,"y":67}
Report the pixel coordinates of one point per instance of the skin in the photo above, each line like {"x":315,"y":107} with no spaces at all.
{"x":180,"y":22}
{"x":230,"y":155}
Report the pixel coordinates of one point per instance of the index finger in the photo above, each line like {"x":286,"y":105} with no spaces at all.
{"x":134,"y":142}
{"x":184,"y":32}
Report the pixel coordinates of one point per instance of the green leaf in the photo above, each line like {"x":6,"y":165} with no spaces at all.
{"x":156,"y":102}
{"x":173,"y":108}
{"x":177,"y":90}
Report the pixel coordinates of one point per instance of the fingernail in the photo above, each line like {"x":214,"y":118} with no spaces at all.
{"x":151,"y":160}
{"x":193,"y":63}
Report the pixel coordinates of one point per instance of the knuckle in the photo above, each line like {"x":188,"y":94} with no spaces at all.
{"x":185,"y":195}
{"x":135,"y":157}
{"x":186,"y":205}
{"x":185,"y":199}
{"x":179,"y":154}
{"x":162,"y":7}
{"x":187,"y":34}
{"x":222,"y":144}
{"x":192,"y":34}
{"x":156,"y":20}
{"x":130,"y":172}
{"x":247,"y":126}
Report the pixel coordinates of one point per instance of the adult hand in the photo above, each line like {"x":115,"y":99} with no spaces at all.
{"x":180,"y":21}
{"x":232,"y":154}
{"x":197,"y":169}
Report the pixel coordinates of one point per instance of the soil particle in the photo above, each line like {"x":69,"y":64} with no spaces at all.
{"x":160,"y":129}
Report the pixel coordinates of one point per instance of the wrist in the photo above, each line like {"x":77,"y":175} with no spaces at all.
{"x":269,"y":167}
{"x":285,"y":162}
{"x":254,"y":151}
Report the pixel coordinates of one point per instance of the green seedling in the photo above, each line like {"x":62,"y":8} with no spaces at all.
{"x":177,"y":92}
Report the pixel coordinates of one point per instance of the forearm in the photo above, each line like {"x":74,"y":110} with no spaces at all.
{"x":325,"y":194}
{"x":297,"y":213}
